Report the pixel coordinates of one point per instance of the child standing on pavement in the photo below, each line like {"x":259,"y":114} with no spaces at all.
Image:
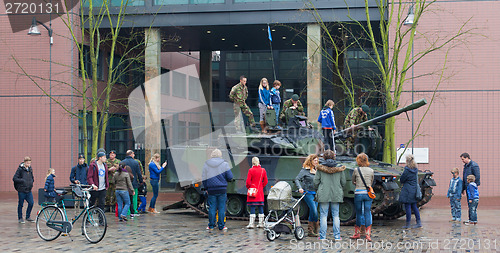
{"x":142,"y":196}
{"x":50,"y":192}
{"x":454,"y":194}
{"x":473,"y":196}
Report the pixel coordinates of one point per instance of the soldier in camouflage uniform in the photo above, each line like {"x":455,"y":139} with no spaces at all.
{"x":238,"y":95}
{"x":112,"y":164}
{"x":356,"y":116}
{"x":291,"y":104}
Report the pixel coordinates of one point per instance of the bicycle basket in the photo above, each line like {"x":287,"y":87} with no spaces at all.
{"x":77,"y":190}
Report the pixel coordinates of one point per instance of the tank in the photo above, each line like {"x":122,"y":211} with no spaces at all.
{"x":282,"y":153}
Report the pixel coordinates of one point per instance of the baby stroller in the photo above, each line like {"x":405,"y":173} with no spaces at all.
{"x":283,"y":212}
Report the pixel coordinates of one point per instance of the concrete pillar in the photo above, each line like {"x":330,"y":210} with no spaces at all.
{"x":206,"y":85}
{"x":313,"y":71}
{"x":152,"y":90}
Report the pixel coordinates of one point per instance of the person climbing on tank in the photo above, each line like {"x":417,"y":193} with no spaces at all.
{"x":264,"y":102}
{"x":292,"y":106}
{"x":356,"y":116}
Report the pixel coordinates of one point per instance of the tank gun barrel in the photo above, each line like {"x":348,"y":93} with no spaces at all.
{"x":375,"y":120}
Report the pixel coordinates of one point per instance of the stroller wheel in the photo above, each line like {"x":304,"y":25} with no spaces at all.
{"x":271,"y":235}
{"x":299,"y":233}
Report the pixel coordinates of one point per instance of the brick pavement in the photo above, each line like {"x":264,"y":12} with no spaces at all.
{"x":183,"y":231}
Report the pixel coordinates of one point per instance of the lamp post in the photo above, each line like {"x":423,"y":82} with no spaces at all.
{"x":409,"y":22}
{"x":34,"y":31}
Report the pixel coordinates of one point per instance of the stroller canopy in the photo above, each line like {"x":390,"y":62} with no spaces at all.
{"x":280,"y":191}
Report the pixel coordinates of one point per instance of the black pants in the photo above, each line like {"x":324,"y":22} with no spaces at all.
{"x":100,"y":196}
{"x":329,"y":144}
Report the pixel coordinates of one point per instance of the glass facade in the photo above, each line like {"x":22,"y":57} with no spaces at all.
{"x":172,"y":2}
{"x":96,"y":3}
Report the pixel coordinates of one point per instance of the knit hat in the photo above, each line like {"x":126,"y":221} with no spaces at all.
{"x":80,"y":156}
{"x":365,"y":108}
{"x":295,"y":97}
{"x":101,"y":150}
{"x":100,"y":154}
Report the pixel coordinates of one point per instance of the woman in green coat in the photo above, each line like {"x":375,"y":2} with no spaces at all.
{"x":329,"y":183}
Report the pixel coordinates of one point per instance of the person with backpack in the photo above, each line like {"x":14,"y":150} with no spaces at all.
{"x":23,"y":183}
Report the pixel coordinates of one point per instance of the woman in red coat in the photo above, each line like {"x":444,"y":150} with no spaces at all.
{"x":256,"y":178}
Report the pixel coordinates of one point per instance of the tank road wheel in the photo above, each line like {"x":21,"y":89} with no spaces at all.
{"x":304,"y":210}
{"x":346,"y":210}
{"x":235,"y":206}
{"x":271,"y":235}
{"x":299,"y":233}
{"x":192,"y":196}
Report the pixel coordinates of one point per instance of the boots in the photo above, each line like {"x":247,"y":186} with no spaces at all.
{"x":316,"y":228}
{"x":356,"y":234}
{"x":261,"y":221}
{"x":311,"y":227}
{"x":407,"y":225}
{"x":263,"y":127}
{"x":418,"y":225}
{"x":251,"y":224}
{"x":369,"y":233}
{"x":362,"y":231}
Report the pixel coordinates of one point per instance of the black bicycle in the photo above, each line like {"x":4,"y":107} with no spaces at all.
{"x":53,"y":220}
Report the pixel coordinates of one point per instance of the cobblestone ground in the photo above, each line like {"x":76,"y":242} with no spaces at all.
{"x":184,"y":231}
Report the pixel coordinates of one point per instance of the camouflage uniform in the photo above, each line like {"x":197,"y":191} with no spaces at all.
{"x":110,"y":193}
{"x":288,"y":104}
{"x":238,"y":95}
{"x":354,"y":117}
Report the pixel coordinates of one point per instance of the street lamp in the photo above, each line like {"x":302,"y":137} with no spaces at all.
{"x":409,"y":21}
{"x":34,"y":31}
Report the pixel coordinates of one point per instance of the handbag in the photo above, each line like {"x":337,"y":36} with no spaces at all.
{"x":369,"y":189}
{"x":418,"y":194}
{"x":252,"y":191}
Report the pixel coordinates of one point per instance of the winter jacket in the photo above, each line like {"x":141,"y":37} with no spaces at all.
{"x":367,"y":175}
{"x":93,"y":174}
{"x":455,"y":189}
{"x":79,"y":172}
{"x":50,"y":191}
{"x":471,"y":169}
{"x":154,"y":172}
{"x":122,"y":181}
{"x":327,"y":119}
{"x":329,"y":181}
{"x":304,"y":180}
{"x":409,"y":181}
{"x":23,"y":179}
{"x":255,"y":174}
{"x":216,"y":173}
{"x":472,"y":192}
{"x":264,"y":97}
{"x":136,"y":170}
{"x":275,"y":96}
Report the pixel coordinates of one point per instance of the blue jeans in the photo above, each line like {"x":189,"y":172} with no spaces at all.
{"x":216,"y":202}
{"x":156,"y":186}
{"x":473,"y":210}
{"x":252,"y":209}
{"x":123,"y":200}
{"x":142,"y":207}
{"x":456,"y":208}
{"x":408,"y":208}
{"x":313,"y":207}
{"x":277,"y":111}
{"x":28,"y":196}
{"x":323,"y":209}
{"x":363,"y":205}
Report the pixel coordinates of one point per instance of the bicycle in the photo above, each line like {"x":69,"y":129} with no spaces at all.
{"x":52,"y":221}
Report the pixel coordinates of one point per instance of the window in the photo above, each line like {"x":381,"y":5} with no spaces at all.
{"x":178,"y":84}
{"x":194,"y":88}
{"x":88,"y":63}
{"x":194,"y":133}
{"x":120,"y":73}
{"x":171,"y":2}
{"x":182,"y":132}
{"x":137,"y":71}
{"x":165,"y":82}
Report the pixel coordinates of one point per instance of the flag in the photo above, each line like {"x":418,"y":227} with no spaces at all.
{"x":269,"y":33}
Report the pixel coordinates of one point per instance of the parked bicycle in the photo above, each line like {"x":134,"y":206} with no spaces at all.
{"x":53,"y":220}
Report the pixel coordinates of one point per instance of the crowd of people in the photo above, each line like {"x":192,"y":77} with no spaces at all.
{"x":116,"y":185}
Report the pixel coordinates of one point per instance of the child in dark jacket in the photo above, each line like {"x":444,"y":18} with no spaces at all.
{"x":50,"y":191}
{"x":473,"y":197}
{"x":454,"y":193}
{"x":142,"y":191}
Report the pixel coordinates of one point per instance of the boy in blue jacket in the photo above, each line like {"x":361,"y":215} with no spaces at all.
{"x":454,"y":194}
{"x":327,"y":121}
{"x":473,"y":196}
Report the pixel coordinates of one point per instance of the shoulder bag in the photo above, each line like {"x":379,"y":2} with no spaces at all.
{"x":252,"y":192}
{"x":369,"y":189}
{"x":418,"y":194}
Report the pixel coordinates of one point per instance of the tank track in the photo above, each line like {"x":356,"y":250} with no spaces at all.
{"x":426,"y":198}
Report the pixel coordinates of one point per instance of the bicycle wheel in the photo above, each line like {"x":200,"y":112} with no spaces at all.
{"x":94,"y":225}
{"x":48,"y":213}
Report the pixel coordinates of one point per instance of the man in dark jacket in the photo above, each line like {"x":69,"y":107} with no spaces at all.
{"x":470,"y":168}
{"x":79,"y":172}
{"x":216,"y":174}
{"x":136,"y":170}
{"x":97,"y":176}
{"x":23,"y":182}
